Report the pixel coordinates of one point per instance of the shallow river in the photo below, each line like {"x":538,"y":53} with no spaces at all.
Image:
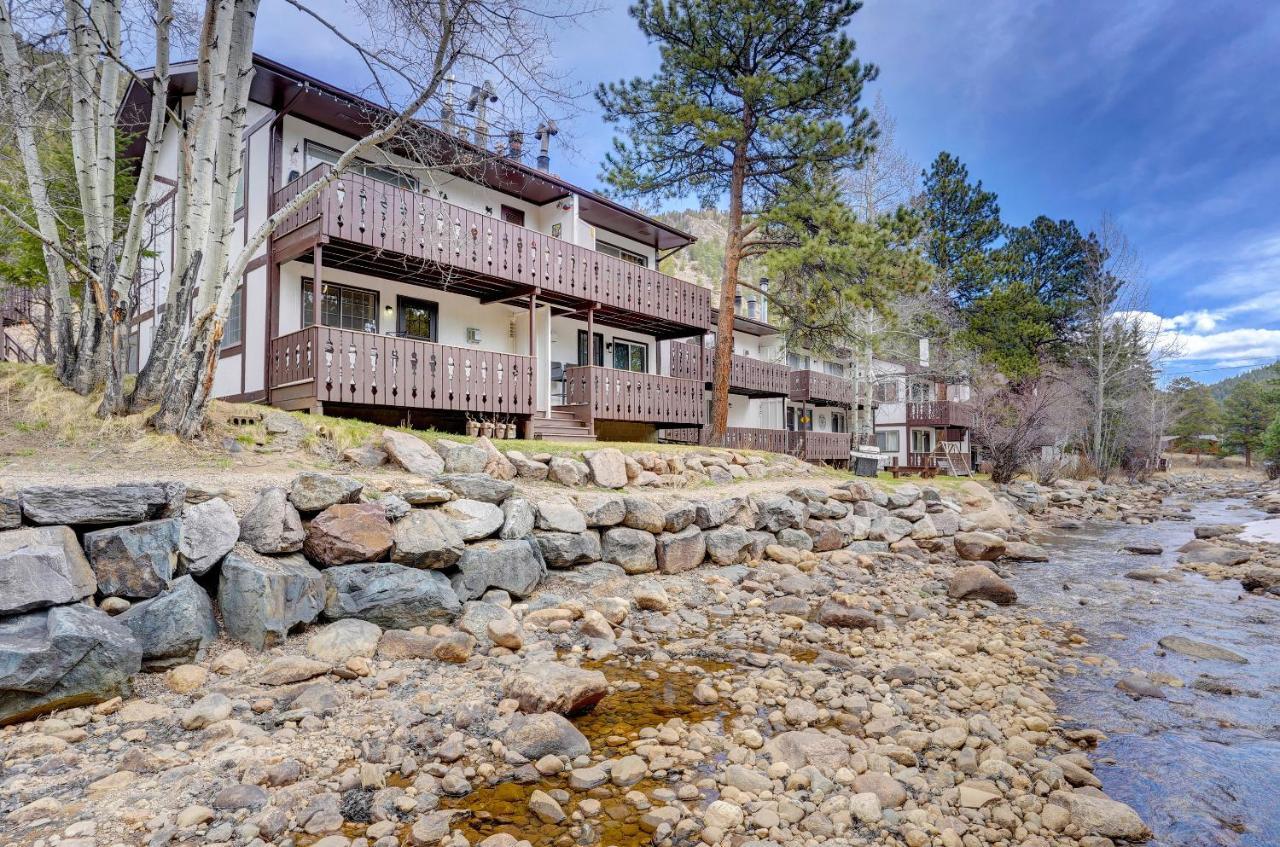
{"x":1201,"y":768}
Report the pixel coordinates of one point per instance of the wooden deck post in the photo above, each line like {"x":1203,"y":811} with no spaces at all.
{"x":591,"y":335}
{"x":317,"y":256}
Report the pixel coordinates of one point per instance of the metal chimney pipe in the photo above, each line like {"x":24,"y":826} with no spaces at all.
{"x":751,"y":307}
{"x":543,"y":134}
{"x":764,"y":299}
{"x":737,"y":304}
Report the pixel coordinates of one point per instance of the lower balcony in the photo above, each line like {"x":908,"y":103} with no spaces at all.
{"x":827,"y":447}
{"x":747,"y":376}
{"x":735,"y":438}
{"x":939,"y":413}
{"x":323,"y":365}
{"x":820,"y":389}
{"x":609,"y":394}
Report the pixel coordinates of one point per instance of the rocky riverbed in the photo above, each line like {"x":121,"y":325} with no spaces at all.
{"x":832,"y":664}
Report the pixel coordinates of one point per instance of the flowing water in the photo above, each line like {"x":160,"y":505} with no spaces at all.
{"x":1203,"y":766}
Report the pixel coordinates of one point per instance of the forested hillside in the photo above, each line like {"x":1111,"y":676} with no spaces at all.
{"x":1263,"y":374}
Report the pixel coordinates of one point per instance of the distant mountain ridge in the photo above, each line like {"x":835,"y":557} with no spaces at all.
{"x":1263,"y":374}
{"x":702,"y":262}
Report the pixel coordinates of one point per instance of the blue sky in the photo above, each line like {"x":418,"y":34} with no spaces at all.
{"x":1164,"y":113}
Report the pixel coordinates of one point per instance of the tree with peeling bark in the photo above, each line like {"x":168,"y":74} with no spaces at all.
{"x":409,"y":47}
{"x":750,"y":96}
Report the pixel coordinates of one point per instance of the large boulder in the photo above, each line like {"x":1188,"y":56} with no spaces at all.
{"x":474,"y":519}
{"x":262,"y":599}
{"x":808,"y":747}
{"x":390,"y":595}
{"x":476,"y":486}
{"x":343,"y":639}
{"x":518,"y":517}
{"x":1024,"y":551}
{"x":272,"y":525}
{"x":10,"y":512}
{"x":173,"y":628}
{"x":645,"y":514}
{"x":602,"y":509}
{"x":775,"y":513}
{"x":101,"y":505}
{"x":1094,"y":814}
{"x":527,"y":468}
{"x":42,"y":567}
{"x":347,"y":533}
{"x":632,"y":549}
{"x":411,"y":453}
{"x":496,"y":465}
{"x":137,"y":560}
{"x":566,"y":549}
{"x":710,"y":514}
{"x":462,"y":458}
{"x":63,"y":657}
{"x":545,"y":734}
{"x":728,"y":545}
{"x":567,"y":471}
{"x":560,"y":516}
{"x":426,"y":539}
{"x":315,"y":492}
{"x":978,"y":582}
{"x":608,"y":467}
{"x":555,"y":687}
{"x":209,"y":531}
{"x":889,"y":529}
{"x":681,"y":551}
{"x":515,"y":566}
{"x":979,"y":546}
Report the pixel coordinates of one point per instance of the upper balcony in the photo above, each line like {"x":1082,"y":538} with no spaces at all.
{"x":747,"y":376}
{"x":820,"y":389}
{"x":939,"y":413}
{"x":370,"y":227}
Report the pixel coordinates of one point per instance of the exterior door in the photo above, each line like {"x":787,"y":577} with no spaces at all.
{"x":418,"y":319}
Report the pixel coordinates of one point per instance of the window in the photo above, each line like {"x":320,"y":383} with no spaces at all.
{"x":887,"y":392}
{"x":889,"y":440}
{"x":342,"y":307}
{"x":318,"y":154}
{"x":629,"y":356}
{"x":233,"y":331}
{"x":837,"y":422}
{"x":418,"y":319}
{"x":597,"y":357}
{"x":621,"y":253}
{"x":921,"y":441}
{"x":797,"y":362}
{"x":921,"y":392}
{"x":513,"y":216}
{"x":835,"y":369}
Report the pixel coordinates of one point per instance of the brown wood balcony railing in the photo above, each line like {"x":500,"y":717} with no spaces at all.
{"x":735,"y":438}
{"x":820,"y":446}
{"x":939,"y":413}
{"x":343,"y":366}
{"x":746,"y":375}
{"x":384,"y":217}
{"x":616,"y":395}
{"x":824,"y":389}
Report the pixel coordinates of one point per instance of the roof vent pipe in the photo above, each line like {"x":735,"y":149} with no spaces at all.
{"x":478,"y":102}
{"x":448,"y":114}
{"x":764,"y":299}
{"x":544,"y":133}
{"x":751,"y":307}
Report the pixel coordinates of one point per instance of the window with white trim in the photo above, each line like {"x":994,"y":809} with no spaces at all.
{"x":341,"y":306}
{"x":318,"y":154}
{"x":621,"y":253}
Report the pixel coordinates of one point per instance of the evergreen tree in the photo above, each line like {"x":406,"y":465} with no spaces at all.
{"x":962,"y":222}
{"x":1271,"y":448}
{"x":749,"y":95}
{"x":1246,"y":415}
{"x":1196,"y":414}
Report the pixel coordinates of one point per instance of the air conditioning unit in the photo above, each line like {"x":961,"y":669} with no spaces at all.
{"x":473,"y":335}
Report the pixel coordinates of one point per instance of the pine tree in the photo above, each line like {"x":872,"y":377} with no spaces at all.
{"x":749,"y":94}
{"x":1196,"y":414}
{"x":1246,"y":415}
{"x":963,"y":224}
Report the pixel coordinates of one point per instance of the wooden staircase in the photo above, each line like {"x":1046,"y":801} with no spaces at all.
{"x":563,"y":425}
{"x":950,"y":457}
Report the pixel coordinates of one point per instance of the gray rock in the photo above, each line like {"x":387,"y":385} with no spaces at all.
{"x":713,"y":513}
{"x":262,"y":599}
{"x":889,"y":529}
{"x":643,"y":513}
{"x":569,"y":472}
{"x":101,"y":505}
{"x":10,"y":513}
{"x":428,"y":496}
{"x":681,"y":551}
{"x":173,"y":628}
{"x":365,"y":456}
{"x":515,"y":566}
{"x":348,"y":533}
{"x":394,"y":507}
{"x":426,"y":539}
{"x":1138,"y":687}
{"x":476,"y":617}
{"x":804,"y":540}
{"x":566,"y":549}
{"x":979,"y":546}
{"x":679,"y":517}
{"x":411,"y":453}
{"x":1217,"y":530}
{"x":608,"y":467}
{"x":209,"y":531}
{"x":315,"y":492}
{"x":728,"y":545}
{"x":1201,"y":650}
{"x":560,"y":516}
{"x":978,"y":582}
{"x":390,"y":595}
{"x":42,"y":567}
{"x":135,"y":561}
{"x":476,"y":486}
{"x":527,"y":468}
{"x":602,"y":509}
{"x":555,"y":687}
{"x":518,"y":518}
{"x":461,"y":458}
{"x":775,"y":513}
{"x":272,"y":525}
{"x":632,"y":549}
{"x":63,"y":657}
{"x":474,"y":519}
{"x":1095,"y":814}
{"x":545,"y":734}
{"x":1024,"y":551}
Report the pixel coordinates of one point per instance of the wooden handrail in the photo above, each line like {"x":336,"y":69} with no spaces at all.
{"x":693,"y":361}
{"x":617,"y":395}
